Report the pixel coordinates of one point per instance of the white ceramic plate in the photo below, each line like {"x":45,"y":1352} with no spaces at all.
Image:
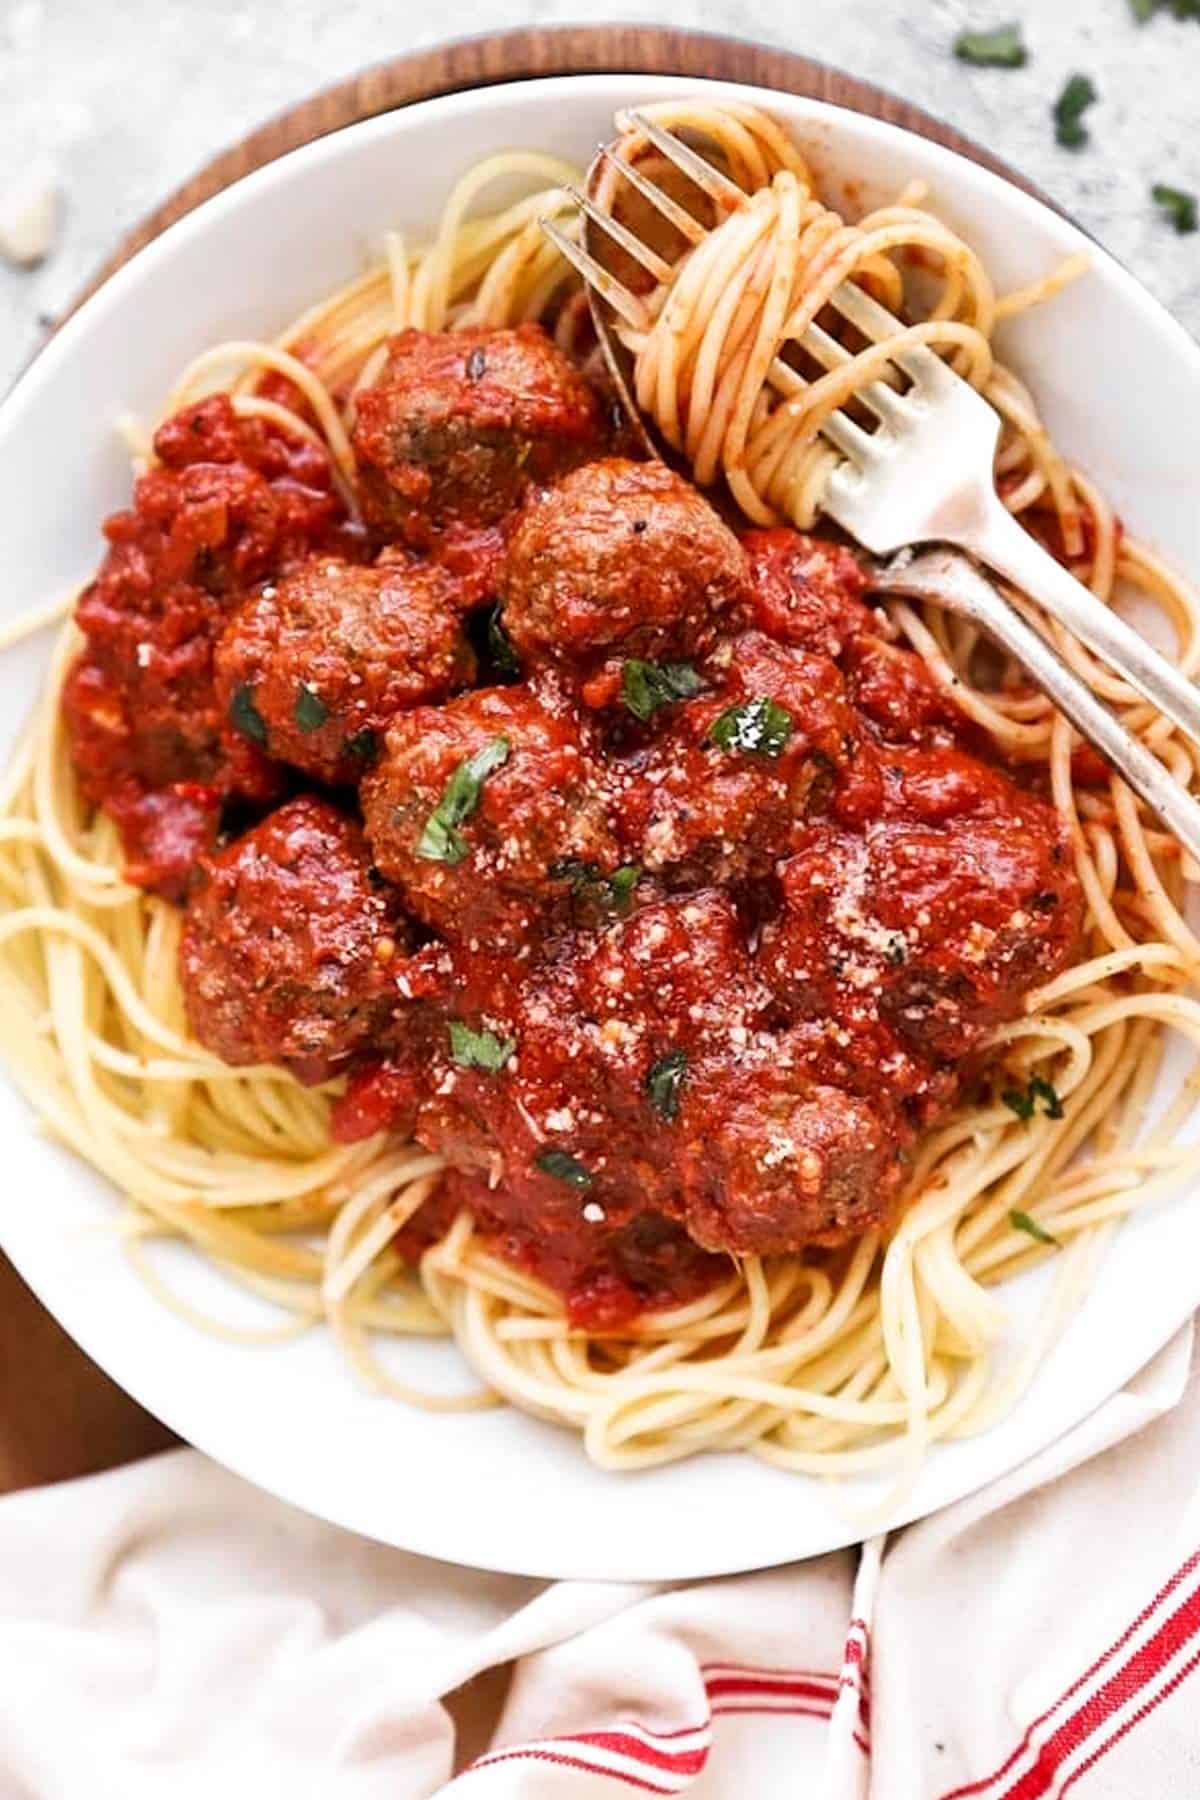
{"x":1119,"y":383}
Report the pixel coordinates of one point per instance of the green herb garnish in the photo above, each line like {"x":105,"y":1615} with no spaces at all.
{"x":479,"y":1049}
{"x":1069,"y":109}
{"x":589,"y":882}
{"x":310,"y":711}
{"x":1143,"y":10}
{"x":1021,"y":1221}
{"x":245,"y":717}
{"x":1001,"y":48}
{"x":760,"y":727}
{"x":1177,"y":205}
{"x":363,"y":746}
{"x":621,"y":884}
{"x":645,"y":686}
{"x":500,"y":645}
{"x":664,"y":1081}
{"x":441,"y":840}
{"x":1023,"y":1101}
{"x":563,"y":1167}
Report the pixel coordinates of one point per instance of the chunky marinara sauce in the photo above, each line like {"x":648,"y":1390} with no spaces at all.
{"x":622,"y":860}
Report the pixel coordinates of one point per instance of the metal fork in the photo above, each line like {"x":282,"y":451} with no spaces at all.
{"x":925,"y":476}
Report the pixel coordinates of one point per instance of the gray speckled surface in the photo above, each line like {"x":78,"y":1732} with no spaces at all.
{"x":127,"y":100}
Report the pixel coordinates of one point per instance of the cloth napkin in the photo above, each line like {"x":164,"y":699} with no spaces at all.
{"x":166,"y":1630}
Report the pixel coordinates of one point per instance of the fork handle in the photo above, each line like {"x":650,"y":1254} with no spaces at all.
{"x":951,"y":580}
{"x":1005,"y":546}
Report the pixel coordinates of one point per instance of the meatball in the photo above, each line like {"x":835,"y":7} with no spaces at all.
{"x":939,"y":919}
{"x":676,"y":976}
{"x":287,"y":944}
{"x":775,"y":1160}
{"x":806,"y":590}
{"x":484,"y":810}
{"x":619,"y":557}
{"x":723,"y":780}
{"x":316,"y":665}
{"x":230,"y":503}
{"x":460,"y":423}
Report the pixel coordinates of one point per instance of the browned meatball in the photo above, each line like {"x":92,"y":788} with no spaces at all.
{"x":773,"y":1160}
{"x":287,"y":944}
{"x":938,"y":919}
{"x":315,"y":666}
{"x":619,"y":557}
{"x":480,"y":808}
{"x":460,"y":423}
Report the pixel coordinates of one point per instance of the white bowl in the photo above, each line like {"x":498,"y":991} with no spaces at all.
{"x":1119,"y":383}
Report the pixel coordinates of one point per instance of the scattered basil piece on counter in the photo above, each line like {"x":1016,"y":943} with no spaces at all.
{"x":760,"y":727}
{"x":441,"y":840}
{"x":645,"y":686}
{"x":664,"y":1081}
{"x":1001,"y":48}
{"x":1021,"y":1221}
{"x":1069,"y":109}
{"x":310,"y":711}
{"x":245,"y":717}
{"x":564,"y":1167}
{"x":479,"y":1049}
{"x":1177,"y":205}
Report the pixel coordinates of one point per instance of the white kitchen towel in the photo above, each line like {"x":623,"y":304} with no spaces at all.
{"x":168,"y":1631}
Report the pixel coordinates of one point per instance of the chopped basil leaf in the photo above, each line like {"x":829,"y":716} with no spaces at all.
{"x":896,"y":953}
{"x":363,"y":746}
{"x":1041,"y":1090}
{"x":245,"y":717}
{"x":1178,"y":206}
{"x":621,"y":884}
{"x":645,"y":686}
{"x":998,"y":49}
{"x":760,"y":727}
{"x":1023,"y":1101}
{"x":589,"y":882}
{"x":310,"y":710}
{"x":441,"y":841}
{"x":1021,"y":1221}
{"x":479,"y":1049}
{"x":563,"y":1167}
{"x":1143,"y":9}
{"x":1069,"y":109}
{"x":663,"y":1082}
{"x":500,"y":644}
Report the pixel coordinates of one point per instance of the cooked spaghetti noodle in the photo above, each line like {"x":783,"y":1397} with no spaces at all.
{"x":825,"y":1362}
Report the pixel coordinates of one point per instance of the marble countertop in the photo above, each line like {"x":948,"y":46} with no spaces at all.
{"x":124,"y":102}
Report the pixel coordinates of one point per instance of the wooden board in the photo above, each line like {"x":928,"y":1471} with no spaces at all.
{"x":59,"y":1415}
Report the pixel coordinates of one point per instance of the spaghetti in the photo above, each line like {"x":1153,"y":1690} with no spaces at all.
{"x":827,"y":1362}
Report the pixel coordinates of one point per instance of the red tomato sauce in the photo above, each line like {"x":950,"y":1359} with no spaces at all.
{"x":622,"y":861}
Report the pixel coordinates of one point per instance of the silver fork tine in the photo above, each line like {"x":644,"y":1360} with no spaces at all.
{"x":887,"y":405}
{"x":718,"y":186}
{"x":877,"y":323}
{"x":675,"y":214}
{"x":853,"y":442}
{"x":598,"y":277}
{"x":650,"y":260}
